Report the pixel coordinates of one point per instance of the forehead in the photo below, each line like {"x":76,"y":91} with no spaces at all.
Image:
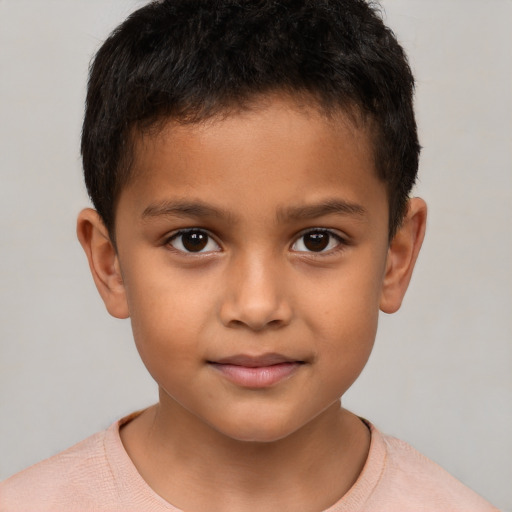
{"x":295,"y":118}
{"x":275,"y":152}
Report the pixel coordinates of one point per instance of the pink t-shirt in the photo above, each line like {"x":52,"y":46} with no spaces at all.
{"x":98,"y":475}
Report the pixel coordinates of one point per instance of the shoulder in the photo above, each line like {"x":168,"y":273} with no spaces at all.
{"x":413,"y":480}
{"x":94,"y":475}
{"x":59,"y":480}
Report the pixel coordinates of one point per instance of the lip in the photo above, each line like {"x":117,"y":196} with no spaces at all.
{"x":256,"y":372}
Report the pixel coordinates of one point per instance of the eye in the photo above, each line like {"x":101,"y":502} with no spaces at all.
{"x":317,"y":240}
{"x":193,"y":241}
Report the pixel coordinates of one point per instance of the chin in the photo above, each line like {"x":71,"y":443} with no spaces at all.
{"x":258,"y":432}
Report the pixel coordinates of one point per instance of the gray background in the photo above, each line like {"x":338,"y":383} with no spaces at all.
{"x":441,"y":373}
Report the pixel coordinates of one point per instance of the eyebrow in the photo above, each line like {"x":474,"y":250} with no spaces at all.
{"x":328,"y":207}
{"x":183,"y":209}
{"x":199,"y":209}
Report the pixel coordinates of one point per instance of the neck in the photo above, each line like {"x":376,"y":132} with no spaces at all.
{"x":319,"y":462}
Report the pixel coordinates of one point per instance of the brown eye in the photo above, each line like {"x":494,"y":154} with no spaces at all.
{"x":193,"y":241}
{"x":317,"y":241}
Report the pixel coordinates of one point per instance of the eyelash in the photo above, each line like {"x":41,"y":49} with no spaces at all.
{"x":333,"y":236}
{"x":340,"y":241}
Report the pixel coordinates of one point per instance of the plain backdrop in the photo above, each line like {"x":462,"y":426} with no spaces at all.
{"x":441,"y":373}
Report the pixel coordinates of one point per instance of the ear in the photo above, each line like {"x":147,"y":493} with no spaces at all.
{"x":402,"y":254}
{"x":103,"y":262}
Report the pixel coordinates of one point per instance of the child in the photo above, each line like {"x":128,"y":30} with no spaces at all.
{"x":250,"y":164}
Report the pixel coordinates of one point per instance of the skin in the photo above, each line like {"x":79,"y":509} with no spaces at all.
{"x":260,"y":185}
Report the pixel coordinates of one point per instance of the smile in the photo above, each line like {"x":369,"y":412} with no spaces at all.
{"x":256,"y":372}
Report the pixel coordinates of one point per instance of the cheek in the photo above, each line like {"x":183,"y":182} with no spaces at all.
{"x":343,"y":319}
{"x":348,"y":342}
{"x":167,"y":315}
{"x":346,"y":303}
{"x":345,"y":348}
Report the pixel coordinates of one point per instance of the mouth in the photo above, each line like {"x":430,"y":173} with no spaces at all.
{"x":256,"y":372}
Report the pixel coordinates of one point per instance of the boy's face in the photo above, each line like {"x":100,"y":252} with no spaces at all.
{"x":253,"y":252}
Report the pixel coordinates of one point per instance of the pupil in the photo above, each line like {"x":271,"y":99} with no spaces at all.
{"x":194,"y":242}
{"x":316,"y":241}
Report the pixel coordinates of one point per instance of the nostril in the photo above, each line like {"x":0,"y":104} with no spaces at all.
{"x":256,"y":308}
{"x":257,"y":326}
{"x":236,"y":323}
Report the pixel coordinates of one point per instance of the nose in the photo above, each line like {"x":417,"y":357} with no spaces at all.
{"x":255,"y":295}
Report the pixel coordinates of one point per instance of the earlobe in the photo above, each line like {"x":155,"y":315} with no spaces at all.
{"x":402,"y":254}
{"x":103,"y":262}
